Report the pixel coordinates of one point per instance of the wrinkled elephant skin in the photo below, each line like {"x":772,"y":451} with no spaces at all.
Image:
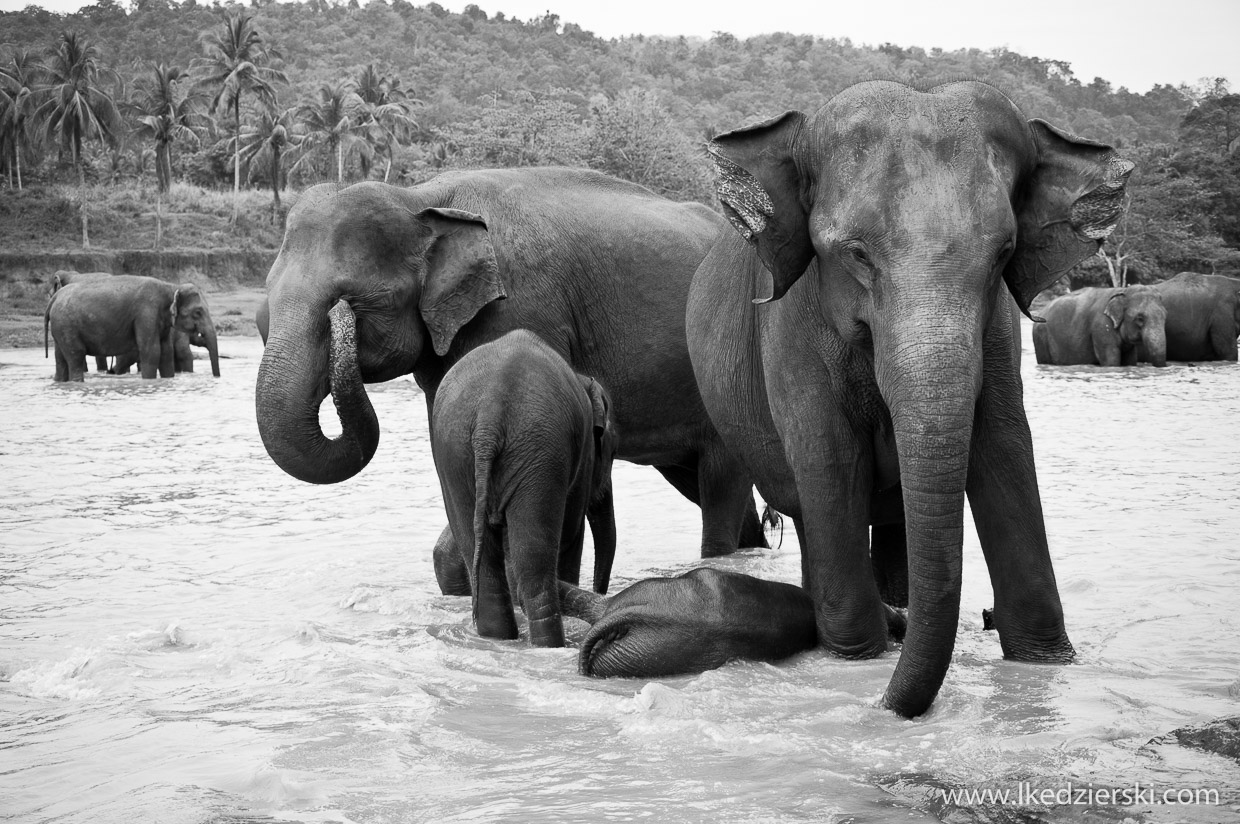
{"x":1203,"y":316}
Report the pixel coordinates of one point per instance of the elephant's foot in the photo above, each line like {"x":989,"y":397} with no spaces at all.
{"x":1020,"y":643}
{"x":450,"y":570}
{"x":862,"y":633}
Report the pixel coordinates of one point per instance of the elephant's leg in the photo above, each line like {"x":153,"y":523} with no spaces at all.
{"x":728,"y":509}
{"x":834,"y":531}
{"x":492,"y":600}
{"x":532,"y":544}
{"x":183,"y":359}
{"x":1106,"y":349}
{"x":1003,"y":493}
{"x":450,"y":569}
{"x":1223,"y":341}
{"x":167,"y":354}
{"x":149,"y":352}
{"x":572,"y":539}
{"x":889,"y":559}
{"x":101,"y":363}
{"x":121,"y":364}
{"x":62,"y":366}
{"x":75,"y":364}
{"x":1128,"y":356}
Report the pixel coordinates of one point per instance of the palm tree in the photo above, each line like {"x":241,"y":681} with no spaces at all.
{"x":384,"y":115}
{"x":18,"y":103}
{"x":266,"y":141}
{"x":164,"y":115}
{"x":235,"y":63}
{"x":331,"y":122}
{"x":75,"y":106}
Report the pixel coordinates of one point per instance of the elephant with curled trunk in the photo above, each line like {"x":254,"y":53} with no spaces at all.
{"x":124,"y":314}
{"x":1203,"y":316}
{"x":523,"y":447}
{"x":855,"y":342}
{"x":596,"y":267}
{"x":1105,"y":327}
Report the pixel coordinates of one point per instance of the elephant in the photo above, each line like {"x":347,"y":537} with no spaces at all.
{"x":1103,"y":327}
{"x":123,"y":313}
{"x":597,"y":267}
{"x":1203,"y":316}
{"x":655,"y":627}
{"x":855,"y":342}
{"x":183,"y":357}
{"x":523,"y":448}
{"x":63,"y":277}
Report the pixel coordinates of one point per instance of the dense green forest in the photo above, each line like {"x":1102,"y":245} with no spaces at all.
{"x":273,"y":94}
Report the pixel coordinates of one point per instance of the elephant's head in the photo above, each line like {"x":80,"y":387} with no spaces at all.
{"x":912,"y":210}
{"x":191,"y":315}
{"x":1139,"y":317}
{"x":366,"y":280}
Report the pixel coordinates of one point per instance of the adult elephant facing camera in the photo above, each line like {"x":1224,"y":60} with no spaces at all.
{"x":856,"y":344}
{"x":596,"y":267}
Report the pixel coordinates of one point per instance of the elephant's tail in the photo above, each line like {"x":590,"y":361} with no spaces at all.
{"x":487,"y":538}
{"x":47,"y":319}
{"x":576,"y":602}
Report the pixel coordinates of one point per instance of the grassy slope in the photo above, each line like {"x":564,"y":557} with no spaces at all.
{"x":40,"y":222}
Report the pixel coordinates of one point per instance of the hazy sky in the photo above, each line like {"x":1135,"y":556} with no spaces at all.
{"x":1136,"y":43}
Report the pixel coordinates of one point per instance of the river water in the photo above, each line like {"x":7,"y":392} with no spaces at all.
{"x":187,"y":634}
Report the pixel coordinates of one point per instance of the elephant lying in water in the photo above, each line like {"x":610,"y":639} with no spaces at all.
{"x":124,"y":313}
{"x":1104,"y":327}
{"x":696,"y":621}
{"x":523,"y":447}
{"x":856,"y":345}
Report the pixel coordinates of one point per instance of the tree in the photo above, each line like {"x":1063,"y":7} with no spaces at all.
{"x":18,"y":103}
{"x":384,"y":115}
{"x":537,"y":130}
{"x":634,"y":137}
{"x":331,"y":122}
{"x":266,"y":141}
{"x":163,"y":115}
{"x":75,"y":106}
{"x":236,"y":62}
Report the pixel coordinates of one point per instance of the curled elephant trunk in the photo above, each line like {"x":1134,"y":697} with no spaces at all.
{"x":293,"y":381}
{"x":931,"y":389}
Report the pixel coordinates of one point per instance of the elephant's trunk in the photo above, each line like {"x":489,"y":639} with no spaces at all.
{"x":211,"y":341}
{"x":1154,"y":339}
{"x":930,"y":378}
{"x":295,"y":376}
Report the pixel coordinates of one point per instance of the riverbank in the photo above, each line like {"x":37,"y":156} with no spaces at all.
{"x":40,"y":234}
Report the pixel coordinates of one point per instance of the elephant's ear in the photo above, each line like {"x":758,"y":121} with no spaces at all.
{"x":461,"y":273}
{"x":1073,"y":199}
{"x":600,"y":406}
{"x":604,"y":435}
{"x":762,"y":195}
{"x":175,"y":305}
{"x":1117,"y":304}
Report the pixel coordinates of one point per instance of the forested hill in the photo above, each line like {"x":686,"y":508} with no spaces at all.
{"x":460,"y":63}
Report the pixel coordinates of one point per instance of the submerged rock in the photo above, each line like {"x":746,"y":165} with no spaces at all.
{"x":1221,"y":736}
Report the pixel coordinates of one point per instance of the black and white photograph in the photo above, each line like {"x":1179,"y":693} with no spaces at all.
{"x":514,"y":411}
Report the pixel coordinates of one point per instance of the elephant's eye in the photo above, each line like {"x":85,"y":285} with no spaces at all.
{"x":858,"y":253}
{"x":1005,"y":252}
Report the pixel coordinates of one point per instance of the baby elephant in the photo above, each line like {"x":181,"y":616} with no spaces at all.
{"x":690,"y":623}
{"x":523,"y":446}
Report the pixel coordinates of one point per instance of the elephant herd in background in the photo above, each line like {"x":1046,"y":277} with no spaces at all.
{"x":1190,"y":317}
